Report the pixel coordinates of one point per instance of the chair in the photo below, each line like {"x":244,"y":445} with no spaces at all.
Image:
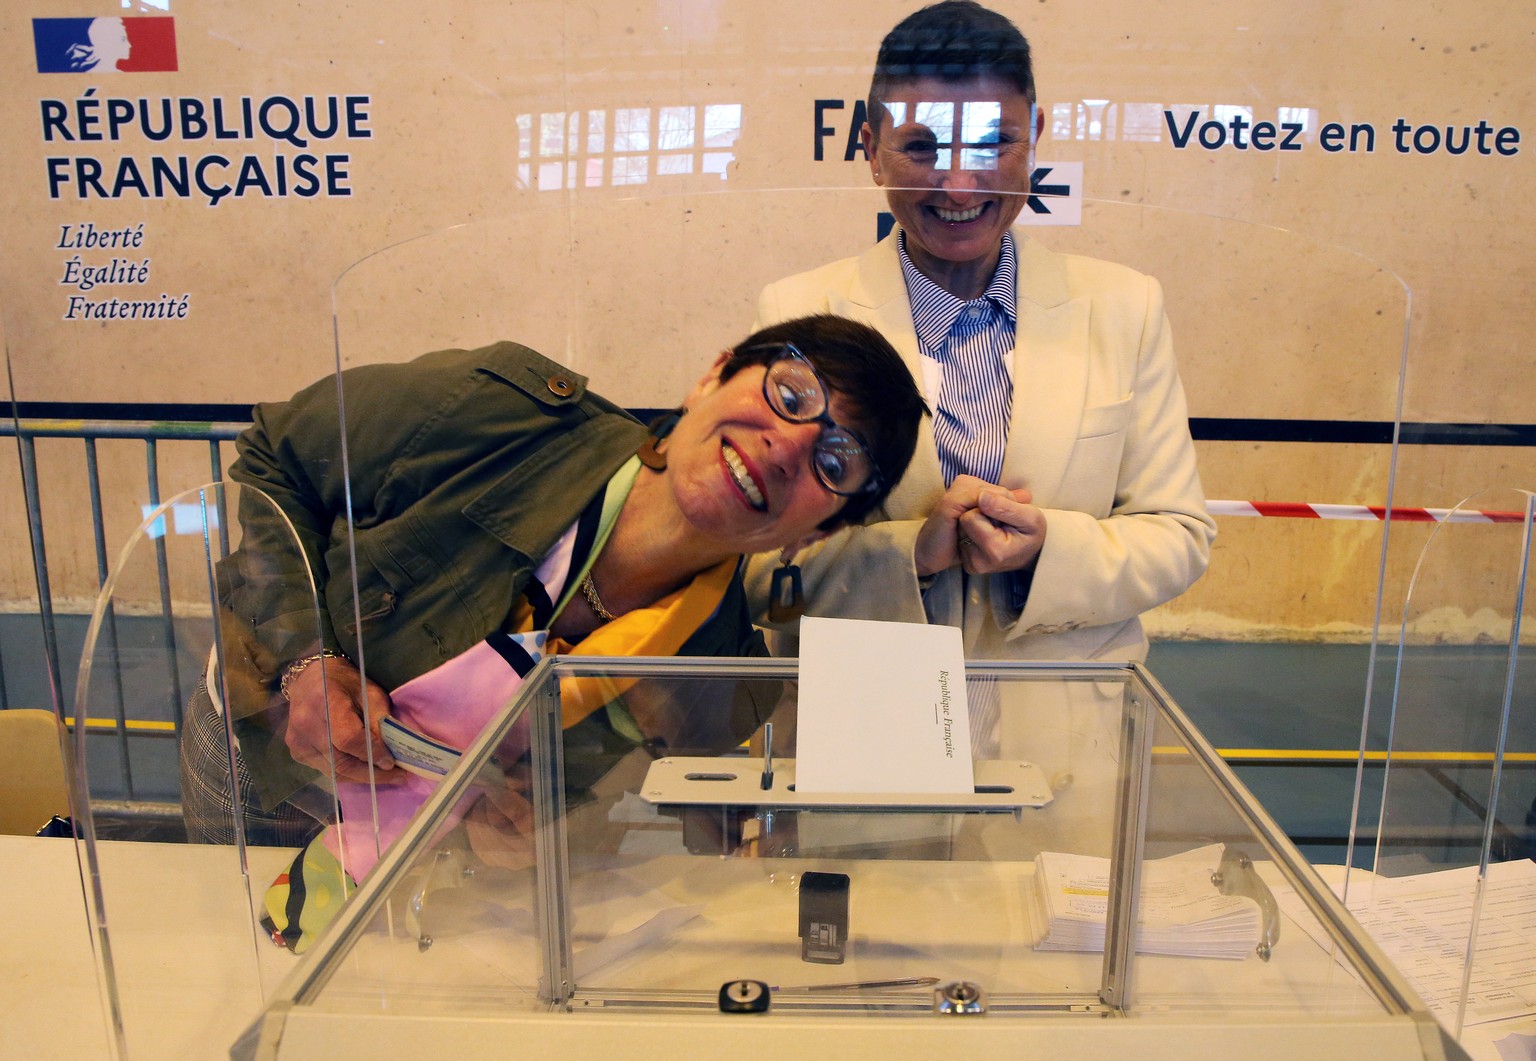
{"x":33,"y":782}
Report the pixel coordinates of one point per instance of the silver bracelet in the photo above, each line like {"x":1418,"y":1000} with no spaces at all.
{"x":298,"y":666}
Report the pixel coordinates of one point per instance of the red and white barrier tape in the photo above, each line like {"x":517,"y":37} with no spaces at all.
{"x":1303,"y":510}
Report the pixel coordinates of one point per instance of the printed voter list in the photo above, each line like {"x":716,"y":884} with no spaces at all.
{"x":882,"y":708}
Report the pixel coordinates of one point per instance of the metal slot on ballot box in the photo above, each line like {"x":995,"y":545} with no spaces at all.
{"x":1000,"y":785}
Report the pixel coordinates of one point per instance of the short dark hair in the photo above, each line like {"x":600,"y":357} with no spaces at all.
{"x":956,"y":40}
{"x":864,"y":369}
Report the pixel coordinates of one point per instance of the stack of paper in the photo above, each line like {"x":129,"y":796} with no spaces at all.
{"x":1423,"y":921}
{"x":1181,"y":912}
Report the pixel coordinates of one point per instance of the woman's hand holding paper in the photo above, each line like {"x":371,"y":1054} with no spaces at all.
{"x":335,"y":692}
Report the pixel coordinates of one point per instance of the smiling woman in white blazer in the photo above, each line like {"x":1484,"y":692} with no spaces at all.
{"x":1098,"y":513}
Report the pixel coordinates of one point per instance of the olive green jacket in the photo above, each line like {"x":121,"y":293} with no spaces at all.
{"x":465,"y":468}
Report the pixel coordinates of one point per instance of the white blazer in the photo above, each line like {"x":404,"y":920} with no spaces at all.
{"x":1099,"y":435}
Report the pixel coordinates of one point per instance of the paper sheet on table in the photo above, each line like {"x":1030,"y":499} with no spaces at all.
{"x":1422,"y":922}
{"x":882,"y":708}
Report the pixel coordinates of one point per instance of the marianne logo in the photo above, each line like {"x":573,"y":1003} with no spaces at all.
{"x":104,"y":45}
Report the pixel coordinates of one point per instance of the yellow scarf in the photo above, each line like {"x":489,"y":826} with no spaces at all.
{"x":657,"y":630}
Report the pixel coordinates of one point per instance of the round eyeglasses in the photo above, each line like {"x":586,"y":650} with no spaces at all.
{"x":795,"y":391}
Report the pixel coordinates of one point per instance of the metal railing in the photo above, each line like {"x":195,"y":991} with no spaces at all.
{"x":89,"y":432}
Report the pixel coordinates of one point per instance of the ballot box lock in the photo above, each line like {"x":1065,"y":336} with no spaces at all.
{"x":961,"y":998}
{"x":744,"y":996}
{"x":823,"y":917}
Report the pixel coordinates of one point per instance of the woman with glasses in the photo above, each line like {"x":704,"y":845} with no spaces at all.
{"x":500,"y":512}
{"x":1056,"y":496}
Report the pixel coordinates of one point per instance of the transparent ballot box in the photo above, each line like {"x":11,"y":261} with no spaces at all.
{"x":644,"y":881}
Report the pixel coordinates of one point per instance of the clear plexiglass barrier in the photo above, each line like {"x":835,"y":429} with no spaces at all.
{"x":1452,"y":892}
{"x":639,"y":294}
{"x":557,"y":884}
{"x":642,"y":312}
{"x":201,"y":902}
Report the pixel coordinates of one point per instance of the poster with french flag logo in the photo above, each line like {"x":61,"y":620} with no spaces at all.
{"x":108,"y":45}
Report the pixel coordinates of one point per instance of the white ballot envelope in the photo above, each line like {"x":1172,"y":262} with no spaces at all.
{"x":882,"y":708}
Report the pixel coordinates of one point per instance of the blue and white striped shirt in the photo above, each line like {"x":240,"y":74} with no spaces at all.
{"x":971,"y":341}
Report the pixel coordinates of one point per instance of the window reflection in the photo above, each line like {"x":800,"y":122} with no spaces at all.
{"x":1096,"y":119}
{"x":674,"y":130}
{"x":1225,"y":112}
{"x":980,"y":121}
{"x":939,"y":127}
{"x":1306,"y":117}
{"x":939,"y":117}
{"x":626,"y":146}
{"x":1142,"y":122}
{"x":1105,"y":120}
{"x":189,"y":519}
{"x":632,"y":129}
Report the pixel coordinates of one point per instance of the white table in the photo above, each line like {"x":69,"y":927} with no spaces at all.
{"x":191,"y":970}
